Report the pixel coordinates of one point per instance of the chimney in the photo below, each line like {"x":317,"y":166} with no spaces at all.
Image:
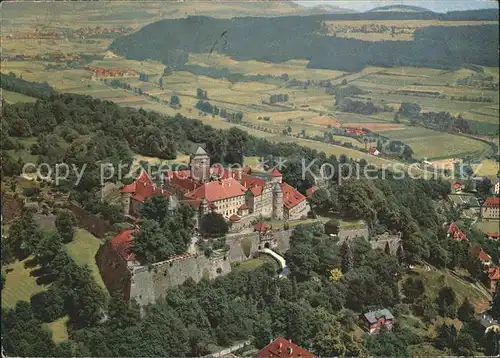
{"x":280,"y":345}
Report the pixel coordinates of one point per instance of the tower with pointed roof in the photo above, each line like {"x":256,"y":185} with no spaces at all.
{"x":200,"y":165}
{"x":277,"y":202}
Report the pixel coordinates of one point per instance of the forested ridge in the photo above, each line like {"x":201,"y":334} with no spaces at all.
{"x":295,"y":37}
{"x":317,"y":307}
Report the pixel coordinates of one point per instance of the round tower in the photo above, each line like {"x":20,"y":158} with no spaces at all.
{"x":277,"y":202}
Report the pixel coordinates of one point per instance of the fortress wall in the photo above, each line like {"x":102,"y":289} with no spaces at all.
{"x":94,"y":224}
{"x":283,"y":240}
{"x":114,"y":270}
{"x":351,"y":234}
{"x":394,"y":242}
{"x":151,"y":283}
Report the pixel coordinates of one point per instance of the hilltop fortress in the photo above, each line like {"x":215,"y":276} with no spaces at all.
{"x":235,"y":194}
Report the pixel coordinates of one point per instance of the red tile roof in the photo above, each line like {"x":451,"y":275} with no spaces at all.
{"x":492,"y":203}
{"x":234,"y":218}
{"x":455,"y":232}
{"x":261,"y":227}
{"x":372,"y":150}
{"x":282,"y":348}
{"x":479,"y":252}
{"x":291,"y":197}
{"x":493,"y":235}
{"x":143,"y":188}
{"x":122,"y":243}
{"x":256,"y":190}
{"x":494,"y":273}
{"x":218,"y":190}
{"x":311,"y":190}
{"x":275,"y":173}
{"x":483,"y":256}
{"x":457,"y":185}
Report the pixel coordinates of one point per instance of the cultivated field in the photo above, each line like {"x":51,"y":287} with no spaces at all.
{"x":309,"y":107}
{"x":387,"y":30}
{"x":430,"y":144}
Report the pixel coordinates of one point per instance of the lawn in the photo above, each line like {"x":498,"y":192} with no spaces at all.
{"x":59,"y":329}
{"x":252,"y":264}
{"x":20,"y":283}
{"x":13,"y":97}
{"x":352,"y":224}
{"x":83,"y":249}
{"x":489,"y":168}
{"x":487,"y":226}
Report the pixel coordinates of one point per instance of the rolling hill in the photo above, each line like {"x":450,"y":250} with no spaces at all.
{"x":399,"y":8}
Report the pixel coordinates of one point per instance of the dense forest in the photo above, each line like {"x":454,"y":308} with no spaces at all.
{"x":295,"y":37}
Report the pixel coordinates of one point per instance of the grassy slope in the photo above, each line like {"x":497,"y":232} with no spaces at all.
{"x":458,"y":280}
{"x":83,"y":249}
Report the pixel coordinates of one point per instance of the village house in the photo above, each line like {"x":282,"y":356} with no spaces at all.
{"x":373,"y":151}
{"x":477,"y":251}
{"x":282,"y":348}
{"x":374,"y":320}
{"x":490,"y":210}
{"x":455,"y":232}
{"x":494,"y":277}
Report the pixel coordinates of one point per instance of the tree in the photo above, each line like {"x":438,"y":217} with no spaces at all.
{"x":495,"y":306}
{"x":321,"y":200}
{"x":151,"y":243}
{"x":174,"y":101}
{"x":446,"y":302}
{"x":213,"y":225}
{"x":446,"y":337}
{"x":262,"y":330}
{"x":465,"y":344}
{"x":396,"y":118}
{"x":65,"y":222}
{"x":47,"y":248}
{"x":332,"y":226}
{"x":347,"y":257}
{"x":491,"y":343}
{"x":156,"y":208}
{"x":413,"y":288}
{"x":466,"y":312}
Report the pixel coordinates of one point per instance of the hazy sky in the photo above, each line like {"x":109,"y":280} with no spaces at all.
{"x":434,"y":5}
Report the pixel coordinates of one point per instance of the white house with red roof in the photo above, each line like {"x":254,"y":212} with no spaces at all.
{"x":490,"y":210}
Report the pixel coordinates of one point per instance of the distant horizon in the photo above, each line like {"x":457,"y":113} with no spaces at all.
{"x":433,"y":5}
